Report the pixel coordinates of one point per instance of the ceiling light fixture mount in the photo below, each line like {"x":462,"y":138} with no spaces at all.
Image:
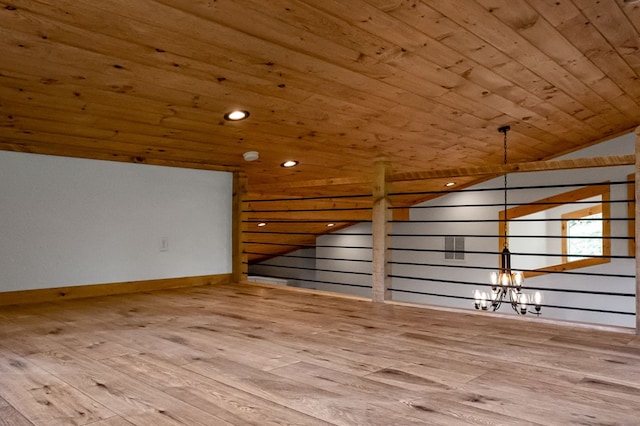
{"x":289,"y":163}
{"x":236,"y":115}
{"x":251,"y":155}
{"x":506,"y":283}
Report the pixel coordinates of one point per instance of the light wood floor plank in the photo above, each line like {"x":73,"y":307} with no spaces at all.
{"x":138,"y":403}
{"x":224,"y":401}
{"x":112,"y":421}
{"x":11,"y":416}
{"x":43,"y":398}
{"x":245,"y":354}
{"x":388,"y":395}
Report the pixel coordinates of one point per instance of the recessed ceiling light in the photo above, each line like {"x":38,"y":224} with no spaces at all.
{"x":236,"y":115}
{"x":449,"y":184}
{"x":330,"y":225}
{"x":261,"y":224}
{"x":289,"y":163}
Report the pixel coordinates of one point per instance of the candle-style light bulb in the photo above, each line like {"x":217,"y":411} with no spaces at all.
{"x":476,"y":298}
{"x":505,"y":279}
{"x":523,"y":300}
{"x":518,"y":278}
{"x":537,"y":300}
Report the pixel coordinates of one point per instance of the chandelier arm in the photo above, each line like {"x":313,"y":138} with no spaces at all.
{"x":495,"y":304}
{"x":499,"y":304}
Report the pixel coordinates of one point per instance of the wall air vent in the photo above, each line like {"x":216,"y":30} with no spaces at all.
{"x":453,"y":248}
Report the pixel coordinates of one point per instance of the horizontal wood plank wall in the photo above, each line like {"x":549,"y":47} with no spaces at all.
{"x":85,"y":291}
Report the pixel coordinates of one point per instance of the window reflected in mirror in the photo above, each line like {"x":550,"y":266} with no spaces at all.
{"x":582,"y":233}
{"x":571,"y":230}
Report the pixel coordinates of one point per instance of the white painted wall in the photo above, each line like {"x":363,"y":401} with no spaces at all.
{"x":313,"y":268}
{"x":67,"y":222}
{"x":353,"y":255}
{"x":296,"y":268}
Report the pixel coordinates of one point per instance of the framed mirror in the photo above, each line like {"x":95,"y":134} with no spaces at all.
{"x":572,"y":230}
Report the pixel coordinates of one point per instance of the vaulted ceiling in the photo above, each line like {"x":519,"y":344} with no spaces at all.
{"x":332,"y":84}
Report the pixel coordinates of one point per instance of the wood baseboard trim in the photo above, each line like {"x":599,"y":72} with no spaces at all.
{"x":307,"y":290}
{"x":95,"y":290}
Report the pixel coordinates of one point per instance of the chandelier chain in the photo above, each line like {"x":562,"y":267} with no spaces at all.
{"x":504,"y":130}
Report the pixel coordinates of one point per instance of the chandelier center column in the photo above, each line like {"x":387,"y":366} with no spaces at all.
{"x":380,"y":228}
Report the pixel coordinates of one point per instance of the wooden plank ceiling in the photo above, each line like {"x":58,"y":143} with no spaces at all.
{"x":332,"y":84}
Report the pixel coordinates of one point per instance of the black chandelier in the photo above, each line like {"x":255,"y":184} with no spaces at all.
{"x":506,"y":284}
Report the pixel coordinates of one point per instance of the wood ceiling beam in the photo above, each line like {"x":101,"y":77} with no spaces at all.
{"x":353,"y":180}
{"x":533,"y":166}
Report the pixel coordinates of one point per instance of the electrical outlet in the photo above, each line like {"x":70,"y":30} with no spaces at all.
{"x":164,"y":244}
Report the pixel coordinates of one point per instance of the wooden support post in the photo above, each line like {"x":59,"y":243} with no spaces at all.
{"x":380,"y":229}
{"x":239,"y":258}
{"x":637,"y":233}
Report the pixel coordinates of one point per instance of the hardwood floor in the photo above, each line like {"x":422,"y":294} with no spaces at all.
{"x":244,"y":354}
